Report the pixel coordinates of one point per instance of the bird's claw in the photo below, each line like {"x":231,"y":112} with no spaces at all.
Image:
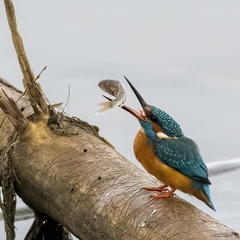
{"x":164,"y":195}
{"x":163,"y":188}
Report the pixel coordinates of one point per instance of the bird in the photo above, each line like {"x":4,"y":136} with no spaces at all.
{"x":168,"y":154}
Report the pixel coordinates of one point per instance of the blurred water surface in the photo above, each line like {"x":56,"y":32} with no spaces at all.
{"x":182,"y":56}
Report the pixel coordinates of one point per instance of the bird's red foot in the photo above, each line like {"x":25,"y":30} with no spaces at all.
{"x":162,"y":188}
{"x":164,"y":195}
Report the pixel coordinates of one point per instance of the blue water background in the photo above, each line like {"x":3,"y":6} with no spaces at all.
{"x":182,"y":56}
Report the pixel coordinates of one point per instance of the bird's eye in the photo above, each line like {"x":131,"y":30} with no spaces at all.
{"x":153,"y":118}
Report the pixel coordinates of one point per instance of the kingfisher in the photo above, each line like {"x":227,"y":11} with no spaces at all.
{"x":169,"y":155}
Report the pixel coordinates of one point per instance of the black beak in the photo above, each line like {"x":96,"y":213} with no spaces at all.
{"x":139,"y":97}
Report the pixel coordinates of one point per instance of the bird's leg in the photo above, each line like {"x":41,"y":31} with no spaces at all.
{"x":159,"y":189}
{"x":164,"y":195}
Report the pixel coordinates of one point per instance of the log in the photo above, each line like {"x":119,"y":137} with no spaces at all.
{"x":74,"y":179}
{"x":66,"y":171}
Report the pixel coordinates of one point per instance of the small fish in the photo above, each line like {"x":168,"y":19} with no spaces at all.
{"x":114,"y":88}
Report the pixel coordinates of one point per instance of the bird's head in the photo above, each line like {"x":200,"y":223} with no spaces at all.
{"x":159,"y":119}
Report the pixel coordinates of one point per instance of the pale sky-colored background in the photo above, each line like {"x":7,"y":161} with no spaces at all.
{"x":182,"y":56}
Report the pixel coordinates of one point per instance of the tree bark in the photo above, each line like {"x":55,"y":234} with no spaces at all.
{"x":66,"y":171}
{"x":71,"y":176}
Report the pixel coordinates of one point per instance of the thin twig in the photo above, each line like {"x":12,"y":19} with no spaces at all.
{"x":38,"y":76}
{"x":69,"y":93}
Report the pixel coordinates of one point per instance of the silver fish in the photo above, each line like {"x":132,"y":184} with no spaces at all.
{"x":114,"y":88}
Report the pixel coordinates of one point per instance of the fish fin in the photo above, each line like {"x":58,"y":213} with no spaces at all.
{"x":103,"y":104}
{"x":106,"y":106}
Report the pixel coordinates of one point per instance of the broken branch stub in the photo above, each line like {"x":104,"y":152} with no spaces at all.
{"x":37,"y":97}
{"x":10,"y":108}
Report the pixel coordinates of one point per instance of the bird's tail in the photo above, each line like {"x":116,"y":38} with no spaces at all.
{"x":106,"y":106}
{"x":204,"y":195}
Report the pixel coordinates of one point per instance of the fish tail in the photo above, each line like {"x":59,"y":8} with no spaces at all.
{"x":106,"y":106}
{"x":203,"y":194}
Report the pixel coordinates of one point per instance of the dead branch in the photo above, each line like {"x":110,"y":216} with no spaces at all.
{"x":8,"y":204}
{"x":72,"y":176}
{"x":33,"y":89}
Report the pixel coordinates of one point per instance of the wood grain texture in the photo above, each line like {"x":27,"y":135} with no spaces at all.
{"x":78,"y":180}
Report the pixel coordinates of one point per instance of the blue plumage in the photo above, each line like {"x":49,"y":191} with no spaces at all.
{"x":179,"y":153}
{"x":166,"y":153}
{"x":169,"y":125}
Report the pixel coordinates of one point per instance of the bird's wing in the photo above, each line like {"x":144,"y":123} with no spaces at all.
{"x":181,"y":154}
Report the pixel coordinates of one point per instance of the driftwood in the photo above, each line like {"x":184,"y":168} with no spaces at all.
{"x":75,"y":181}
{"x":65,"y":171}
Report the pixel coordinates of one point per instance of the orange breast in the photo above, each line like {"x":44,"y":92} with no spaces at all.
{"x":145,"y":155}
